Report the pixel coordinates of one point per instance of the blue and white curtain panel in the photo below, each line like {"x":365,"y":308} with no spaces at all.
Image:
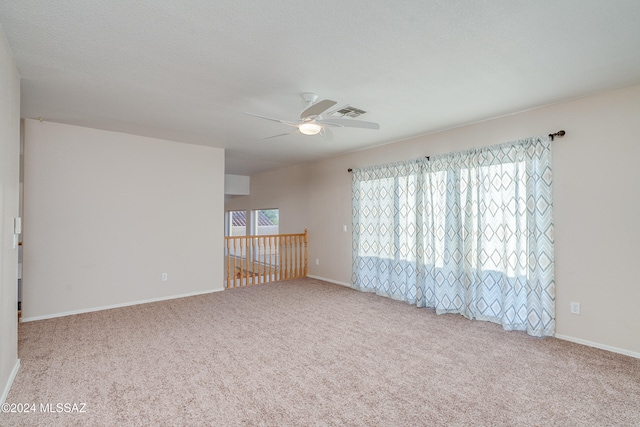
{"x":468,"y":232}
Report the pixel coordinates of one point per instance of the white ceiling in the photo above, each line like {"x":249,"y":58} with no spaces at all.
{"x":187,"y":70}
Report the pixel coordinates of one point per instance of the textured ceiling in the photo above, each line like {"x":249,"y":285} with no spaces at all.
{"x":186,"y":71}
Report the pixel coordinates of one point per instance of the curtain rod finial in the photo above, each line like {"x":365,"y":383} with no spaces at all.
{"x":560,"y":133}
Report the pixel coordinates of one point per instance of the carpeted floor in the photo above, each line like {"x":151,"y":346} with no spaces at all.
{"x":309,"y":353}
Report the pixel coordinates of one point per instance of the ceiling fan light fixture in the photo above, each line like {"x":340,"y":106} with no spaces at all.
{"x":310,"y":128}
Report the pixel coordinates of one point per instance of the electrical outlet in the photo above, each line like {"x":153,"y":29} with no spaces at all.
{"x":164,"y":277}
{"x":317,"y":261}
{"x":575,"y":308}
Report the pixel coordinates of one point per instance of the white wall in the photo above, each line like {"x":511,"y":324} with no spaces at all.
{"x":106,"y":213}
{"x":596,"y":206}
{"x":9,"y":185}
{"x":236,"y":185}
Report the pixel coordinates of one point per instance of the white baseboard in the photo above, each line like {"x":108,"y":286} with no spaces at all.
{"x":348,"y":285}
{"x":108,"y":307}
{"x":598,"y":345}
{"x":9,"y":383}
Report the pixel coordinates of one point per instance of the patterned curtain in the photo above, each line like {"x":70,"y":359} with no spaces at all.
{"x":468,"y":232}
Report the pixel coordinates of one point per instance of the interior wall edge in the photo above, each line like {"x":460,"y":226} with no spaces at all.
{"x":12,"y":377}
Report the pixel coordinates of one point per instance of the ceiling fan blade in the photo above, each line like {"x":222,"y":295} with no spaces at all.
{"x":286,"y":122}
{"x":327,"y":124}
{"x":349,"y":123}
{"x":317,"y":108}
{"x":280,"y":134}
{"x":327,"y":133}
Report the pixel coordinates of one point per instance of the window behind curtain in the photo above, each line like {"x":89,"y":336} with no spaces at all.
{"x":468,"y":232}
{"x":501,"y":191}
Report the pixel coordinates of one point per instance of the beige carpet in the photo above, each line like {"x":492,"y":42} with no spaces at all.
{"x":310,"y":353}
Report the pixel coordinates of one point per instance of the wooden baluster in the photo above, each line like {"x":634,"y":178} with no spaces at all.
{"x":259,"y":262}
{"x":277,"y":263}
{"x":267,"y":255}
{"x":288,"y":257}
{"x":301,"y":259}
{"x":285,"y":259}
{"x":280,"y":257}
{"x":236,"y":261}
{"x":250,"y":260}
{"x":265,"y":266}
{"x":235,"y":273}
{"x":239,"y":258}
{"x":265,"y":243}
{"x":300,"y":256}
{"x":296,"y":256}
{"x":242,"y":260}
{"x":227,"y":262}
{"x":254,"y":277}
{"x":294,"y":261}
{"x":306,"y":256}
{"x":253,"y":259}
{"x":271,"y":259}
{"x":293,"y":257}
{"x":246,"y":260}
{"x":262,"y":260}
{"x":255,"y":253}
{"x":258,"y":257}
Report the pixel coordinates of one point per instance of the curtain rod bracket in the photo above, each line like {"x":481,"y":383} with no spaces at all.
{"x":559,"y":134}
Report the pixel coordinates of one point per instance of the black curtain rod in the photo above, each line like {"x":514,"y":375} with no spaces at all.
{"x":552,"y":136}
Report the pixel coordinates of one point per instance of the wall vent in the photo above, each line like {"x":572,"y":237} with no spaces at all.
{"x":347,"y":111}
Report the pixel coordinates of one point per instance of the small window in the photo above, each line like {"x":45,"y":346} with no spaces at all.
{"x":266,"y":221}
{"x":236,"y":223}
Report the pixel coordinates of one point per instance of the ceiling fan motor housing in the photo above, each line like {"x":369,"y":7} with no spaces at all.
{"x":310,"y":97}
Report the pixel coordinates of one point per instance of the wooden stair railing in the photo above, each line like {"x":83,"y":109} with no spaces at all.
{"x":250,"y":260}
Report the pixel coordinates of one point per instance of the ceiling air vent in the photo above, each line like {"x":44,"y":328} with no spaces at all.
{"x":347,"y":111}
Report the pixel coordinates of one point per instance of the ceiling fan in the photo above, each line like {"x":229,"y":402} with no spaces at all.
{"x":311,"y":121}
